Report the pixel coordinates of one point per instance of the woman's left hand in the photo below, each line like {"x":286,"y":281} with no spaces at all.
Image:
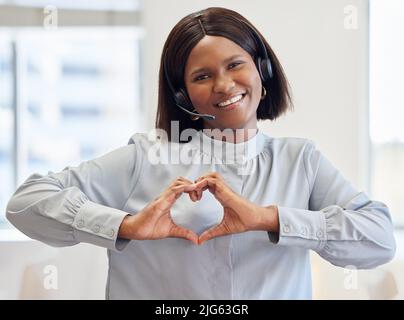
{"x":239,"y":215}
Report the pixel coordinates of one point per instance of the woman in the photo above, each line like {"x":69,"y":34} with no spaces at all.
{"x":259,"y":204}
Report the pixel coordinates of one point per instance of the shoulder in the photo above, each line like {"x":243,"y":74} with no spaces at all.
{"x":292,"y":153}
{"x":152,"y":147}
{"x":299,"y":155}
{"x":290,"y":146}
{"x":145,"y":141}
{"x":137,"y":138}
{"x":141,"y":141}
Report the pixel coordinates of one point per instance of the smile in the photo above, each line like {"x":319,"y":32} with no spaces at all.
{"x":230,"y":102}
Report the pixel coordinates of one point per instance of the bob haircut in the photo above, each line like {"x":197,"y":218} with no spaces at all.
{"x":184,"y":37}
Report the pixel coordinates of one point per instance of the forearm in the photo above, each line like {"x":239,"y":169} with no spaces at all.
{"x":43,"y":210}
{"x":358,"y":233}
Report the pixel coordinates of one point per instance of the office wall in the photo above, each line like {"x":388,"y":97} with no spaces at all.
{"x":33,"y":270}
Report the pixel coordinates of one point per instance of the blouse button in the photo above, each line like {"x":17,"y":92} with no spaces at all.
{"x":80,"y":223}
{"x":286,"y":228}
{"x":111,"y":233}
{"x":319,"y":233}
{"x":96,"y":228}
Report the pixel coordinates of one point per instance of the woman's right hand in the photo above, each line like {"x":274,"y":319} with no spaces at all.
{"x":154,"y":221}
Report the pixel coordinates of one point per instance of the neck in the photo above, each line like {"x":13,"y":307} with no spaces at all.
{"x":231,"y":135}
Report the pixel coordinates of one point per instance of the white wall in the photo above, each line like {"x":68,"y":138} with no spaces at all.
{"x":32,"y":270}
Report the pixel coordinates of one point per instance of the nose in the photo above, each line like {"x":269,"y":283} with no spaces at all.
{"x":223,"y":84}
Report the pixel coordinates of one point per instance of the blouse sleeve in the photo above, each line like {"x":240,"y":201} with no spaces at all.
{"x":342,"y":225}
{"x":78,"y":204}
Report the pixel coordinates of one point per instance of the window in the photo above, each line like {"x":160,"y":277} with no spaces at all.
{"x":67,"y":95}
{"x":6,"y":124}
{"x":126,"y":5}
{"x":387,"y":104}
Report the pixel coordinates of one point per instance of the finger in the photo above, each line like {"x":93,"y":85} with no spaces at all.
{"x":213,"y":174}
{"x":189,"y":187}
{"x":182,"y":180}
{"x":197,"y":197}
{"x":201,"y":183}
{"x":204,"y":184}
{"x":211,"y":233}
{"x":187,"y":182}
{"x":183,"y":187}
{"x":198,"y":192}
{"x":218,"y":188}
{"x":193,"y":195}
{"x":179,"y":181}
{"x":174,"y":193}
{"x":179,"y":190}
{"x":199,"y":179}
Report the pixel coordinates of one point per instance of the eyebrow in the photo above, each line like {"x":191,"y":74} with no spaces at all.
{"x":224,"y":61}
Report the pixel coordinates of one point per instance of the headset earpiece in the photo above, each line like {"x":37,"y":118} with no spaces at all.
{"x":181,"y":98}
{"x":264,"y":69}
{"x":263,"y":62}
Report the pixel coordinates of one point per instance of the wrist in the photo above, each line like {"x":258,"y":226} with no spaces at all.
{"x":269,"y":218}
{"x":126,"y":228}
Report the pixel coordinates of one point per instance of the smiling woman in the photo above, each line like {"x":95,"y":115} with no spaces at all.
{"x":239,"y":219}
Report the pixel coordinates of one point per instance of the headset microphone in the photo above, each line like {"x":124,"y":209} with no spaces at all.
{"x":205,"y":116}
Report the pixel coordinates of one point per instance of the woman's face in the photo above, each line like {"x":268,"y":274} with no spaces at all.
{"x":218,"y":72}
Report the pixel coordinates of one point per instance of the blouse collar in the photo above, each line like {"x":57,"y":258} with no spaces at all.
{"x":228,"y":152}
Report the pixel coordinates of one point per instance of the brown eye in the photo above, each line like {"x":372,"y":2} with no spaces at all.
{"x":202,"y":77}
{"x":234,"y":64}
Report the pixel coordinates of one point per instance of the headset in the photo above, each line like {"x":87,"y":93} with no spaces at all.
{"x":262,"y":62}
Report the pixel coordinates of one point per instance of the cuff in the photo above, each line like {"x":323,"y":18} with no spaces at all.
{"x":99,"y":225}
{"x":300,"y":228}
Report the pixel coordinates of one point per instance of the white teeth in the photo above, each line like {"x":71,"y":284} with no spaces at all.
{"x":230,"y":101}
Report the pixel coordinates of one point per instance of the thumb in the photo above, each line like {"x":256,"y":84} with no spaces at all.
{"x":214,"y":232}
{"x":181,"y":232}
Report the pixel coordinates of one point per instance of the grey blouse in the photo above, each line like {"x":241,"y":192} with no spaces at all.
{"x":318,"y":210}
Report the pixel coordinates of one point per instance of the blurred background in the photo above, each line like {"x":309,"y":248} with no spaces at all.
{"x":78,"y":78}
